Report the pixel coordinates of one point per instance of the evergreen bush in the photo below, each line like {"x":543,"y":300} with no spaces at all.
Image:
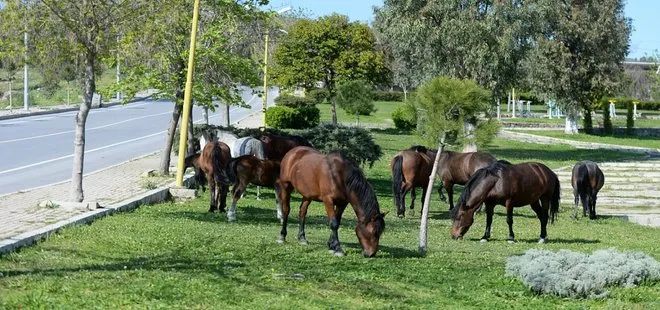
{"x":405,"y":117}
{"x":355,"y":142}
{"x":319,"y":95}
{"x":630,"y":120}
{"x":607,"y":122}
{"x":294,"y":102}
{"x":573,"y":274}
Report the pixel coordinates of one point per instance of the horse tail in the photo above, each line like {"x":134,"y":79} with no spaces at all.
{"x":219,"y":172}
{"x":397,"y":179}
{"x":554,"y":203}
{"x":583,"y":185}
{"x":231,"y":169}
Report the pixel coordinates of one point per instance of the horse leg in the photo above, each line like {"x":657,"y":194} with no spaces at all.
{"x":509,"y":221}
{"x":577,"y":200}
{"x":224,"y":189}
{"x":421,"y":209}
{"x":490,"y":208}
{"x":334,"y":217}
{"x":212,"y":193}
{"x":278,"y":201}
{"x":442,"y":196}
{"x":449,"y":187}
{"x":285,"y":198}
{"x":238,"y":189}
{"x":301,"y":219}
{"x":258,"y":190}
{"x":542,"y":213}
{"x":404,"y":190}
{"x":592,"y":206}
{"x":413,"y":196}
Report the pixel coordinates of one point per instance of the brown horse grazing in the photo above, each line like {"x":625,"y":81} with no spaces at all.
{"x":193,"y":161}
{"x":275,"y":147}
{"x":410,"y":169}
{"x":248,"y":169}
{"x":455,"y":168}
{"x":213,"y":161}
{"x":587,"y":180}
{"x":336,"y":181}
{"x":511,"y":186}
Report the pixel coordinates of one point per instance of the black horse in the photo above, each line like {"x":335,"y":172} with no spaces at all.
{"x":587,"y":180}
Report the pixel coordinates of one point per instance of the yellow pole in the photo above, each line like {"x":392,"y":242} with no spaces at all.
{"x":265,"y":80}
{"x":186,"y":97}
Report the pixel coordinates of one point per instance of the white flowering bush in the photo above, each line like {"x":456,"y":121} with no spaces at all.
{"x":574,"y":274}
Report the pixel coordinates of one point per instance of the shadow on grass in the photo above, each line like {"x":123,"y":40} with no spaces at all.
{"x":385,"y":251}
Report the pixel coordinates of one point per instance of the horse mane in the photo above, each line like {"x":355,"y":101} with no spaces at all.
{"x":492,"y":169}
{"x":358,"y":184}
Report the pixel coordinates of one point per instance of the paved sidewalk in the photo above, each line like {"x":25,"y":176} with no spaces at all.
{"x":20,"y":212}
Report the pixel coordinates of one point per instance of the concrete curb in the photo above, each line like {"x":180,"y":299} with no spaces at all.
{"x":31,"y":237}
{"x":54,"y":111}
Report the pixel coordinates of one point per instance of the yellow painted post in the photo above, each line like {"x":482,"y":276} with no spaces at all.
{"x":265,"y":79}
{"x":186,"y":97}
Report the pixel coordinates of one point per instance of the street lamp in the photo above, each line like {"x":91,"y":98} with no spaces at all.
{"x":265,"y":105}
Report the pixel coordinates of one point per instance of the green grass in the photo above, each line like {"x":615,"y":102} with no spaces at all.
{"x":382,"y":115}
{"x":38,"y":97}
{"x":179,"y":256}
{"x":649,"y":142}
{"x":617,"y":122}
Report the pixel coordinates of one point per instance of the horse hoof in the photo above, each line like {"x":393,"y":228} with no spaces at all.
{"x":541,"y":241}
{"x":339,"y":253}
{"x":303,"y":242}
{"x":511,"y":241}
{"x":483,"y":240}
{"x":258,"y":198}
{"x":412,"y":213}
{"x":231,"y":219}
{"x":280,"y":241}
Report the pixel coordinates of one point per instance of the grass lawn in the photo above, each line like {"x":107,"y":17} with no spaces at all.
{"x":37,"y":95}
{"x":176,"y":255}
{"x":382,"y":115}
{"x":650,"y":142}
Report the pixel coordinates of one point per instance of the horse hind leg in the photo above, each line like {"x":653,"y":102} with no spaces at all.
{"x":258,"y":192}
{"x":592,"y":206}
{"x":413,"y":196}
{"x":301,"y":219}
{"x":577,"y":200}
{"x":509,"y":221}
{"x":285,"y":199}
{"x":541,"y":211}
{"x":236,"y":195}
{"x":404,"y":191}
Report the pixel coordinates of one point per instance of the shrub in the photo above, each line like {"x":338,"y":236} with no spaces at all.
{"x":607,"y":122}
{"x":405,"y":117}
{"x":319,"y":95}
{"x":381,"y":95}
{"x":355,"y":98}
{"x":286,"y":117}
{"x":630,"y":120}
{"x":573,"y":274}
{"x":355,"y":142}
{"x":587,"y":121}
{"x":309,"y":116}
{"x":293,"y":101}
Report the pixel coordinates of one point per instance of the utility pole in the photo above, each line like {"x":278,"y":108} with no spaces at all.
{"x":26,"y":102}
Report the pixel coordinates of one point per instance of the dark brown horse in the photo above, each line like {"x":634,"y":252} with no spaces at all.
{"x":410,"y":169}
{"x":455,"y":168}
{"x":199,"y":177}
{"x":247,"y":169}
{"x":213,"y":161}
{"x":587,"y":180}
{"x":336,"y":181}
{"x":275,"y":146}
{"x":511,"y":186}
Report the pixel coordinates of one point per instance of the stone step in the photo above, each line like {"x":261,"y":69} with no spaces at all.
{"x":639,"y":173}
{"x":640,"y":188}
{"x":620,"y":194}
{"x":620,"y":202}
{"x":619,"y":180}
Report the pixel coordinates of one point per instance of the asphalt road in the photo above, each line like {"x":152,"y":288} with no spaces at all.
{"x":38,"y":150}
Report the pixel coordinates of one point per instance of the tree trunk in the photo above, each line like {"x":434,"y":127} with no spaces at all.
{"x":571,"y":122}
{"x":334,"y":110}
{"x":10,"y":95}
{"x":469,"y":133}
{"x":206,"y":115}
{"x":81,"y":119}
{"x":171,"y":130}
{"x":227,"y":118}
{"x":405,"y":93}
{"x":423,"y":226}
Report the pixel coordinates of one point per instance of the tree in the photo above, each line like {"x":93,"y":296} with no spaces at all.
{"x":479,"y":40}
{"x":578,"y":52}
{"x":446,"y":104}
{"x":356,"y":98}
{"x":11,"y":35}
{"x":159,"y":54}
{"x":329,"y":50}
{"x":93,"y":25}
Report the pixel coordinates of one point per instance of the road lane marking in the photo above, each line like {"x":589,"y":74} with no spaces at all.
{"x":86,"y":130}
{"x":97,"y":149}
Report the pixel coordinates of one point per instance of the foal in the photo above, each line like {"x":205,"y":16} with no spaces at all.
{"x":248,"y":169}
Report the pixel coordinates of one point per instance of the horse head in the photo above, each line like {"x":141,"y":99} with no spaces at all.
{"x":368,"y":233}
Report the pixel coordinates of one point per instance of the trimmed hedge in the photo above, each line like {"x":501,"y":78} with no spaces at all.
{"x":319,"y":95}
{"x":286,"y":117}
{"x":380,"y":95}
{"x":622,"y":103}
{"x":294,"y":102}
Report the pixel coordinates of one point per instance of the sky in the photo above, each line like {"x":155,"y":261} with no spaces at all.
{"x":645,"y":15}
